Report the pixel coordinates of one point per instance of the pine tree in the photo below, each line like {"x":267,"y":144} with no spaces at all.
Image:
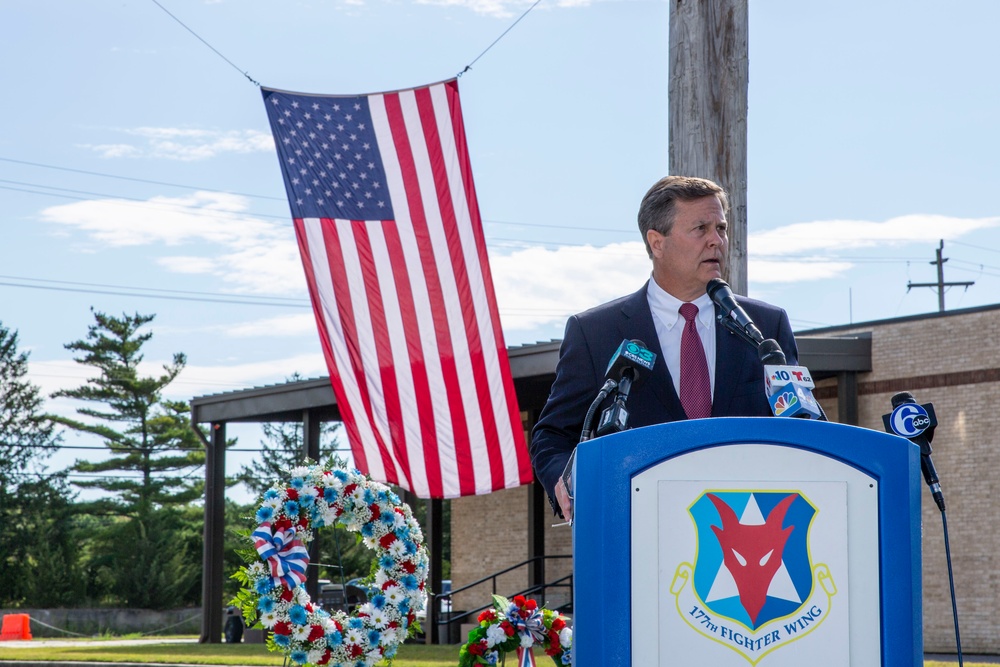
{"x":150,"y":438}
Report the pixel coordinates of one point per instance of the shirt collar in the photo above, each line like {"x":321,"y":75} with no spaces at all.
{"x":670,"y":306}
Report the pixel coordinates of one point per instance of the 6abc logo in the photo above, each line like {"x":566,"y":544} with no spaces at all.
{"x":909,"y":420}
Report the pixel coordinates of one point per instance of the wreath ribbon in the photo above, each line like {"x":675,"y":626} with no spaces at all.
{"x":284,"y":554}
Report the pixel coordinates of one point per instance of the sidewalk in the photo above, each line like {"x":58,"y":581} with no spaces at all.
{"x":966,"y":658}
{"x":42,"y":643}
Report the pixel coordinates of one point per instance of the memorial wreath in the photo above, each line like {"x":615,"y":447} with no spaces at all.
{"x":513,"y":624}
{"x":273,"y":591}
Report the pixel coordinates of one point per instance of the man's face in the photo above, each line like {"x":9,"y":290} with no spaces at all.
{"x":694,"y":251}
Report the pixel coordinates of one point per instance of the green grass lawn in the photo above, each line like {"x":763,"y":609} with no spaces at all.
{"x":410,"y":655}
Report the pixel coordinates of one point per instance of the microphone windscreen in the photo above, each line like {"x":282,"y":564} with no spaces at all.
{"x":902,"y":397}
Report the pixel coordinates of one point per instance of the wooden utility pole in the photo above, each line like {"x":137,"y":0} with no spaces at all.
{"x":940,"y":284}
{"x":709,"y":75}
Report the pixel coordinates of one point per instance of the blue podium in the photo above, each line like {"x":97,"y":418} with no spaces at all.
{"x":747,"y":541}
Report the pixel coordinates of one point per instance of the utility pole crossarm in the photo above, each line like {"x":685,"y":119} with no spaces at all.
{"x":940,"y":284}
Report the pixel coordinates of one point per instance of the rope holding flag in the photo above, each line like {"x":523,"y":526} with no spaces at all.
{"x":388,"y":226}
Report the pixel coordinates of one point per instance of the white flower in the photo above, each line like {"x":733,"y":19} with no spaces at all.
{"x":257,"y":570}
{"x":300,"y":633}
{"x":367,"y":609}
{"x":495,"y":635}
{"x":329,"y":515}
{"x":526,"y":640}
{"x":273,"y":503}
{"x":380,"y":578}
{"x":268,"y":619}
{"x":372,"y":658}
{"x":379,"y":619}
{"x":566,"y":637}
{"x":393,"y":595}
{"x":352,"y":636}
{"x":328,"y":624}
{"x":315,"y":655}
{"x":299,"y":471}
{"x":369,"y":542}
{"x":397,"y":550}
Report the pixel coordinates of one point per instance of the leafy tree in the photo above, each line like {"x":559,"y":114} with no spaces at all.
{"x":145,"y":433}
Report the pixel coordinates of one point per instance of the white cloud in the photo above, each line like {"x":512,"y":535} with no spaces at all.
{"x":832,"y":235}
{"x":769,"y":271}
{"x":197,"y":380}
{"x":299,"y":324}
{"x":499,"y":8}
{"x":185,"y":144}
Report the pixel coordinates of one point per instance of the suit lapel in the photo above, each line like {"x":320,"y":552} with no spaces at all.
{"x":638,"y":323}
{"x":730,"y":355}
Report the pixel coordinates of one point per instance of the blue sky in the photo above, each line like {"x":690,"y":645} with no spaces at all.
{"x":871,"y":138}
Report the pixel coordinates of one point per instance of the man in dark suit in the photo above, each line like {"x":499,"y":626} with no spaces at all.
{"x":701,"y":369}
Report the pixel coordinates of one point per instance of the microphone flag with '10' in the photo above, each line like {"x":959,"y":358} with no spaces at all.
{"x":628,"y":364}
{"x":789,"y":391}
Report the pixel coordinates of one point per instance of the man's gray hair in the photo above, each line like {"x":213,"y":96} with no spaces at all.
{"x":657,"y":208}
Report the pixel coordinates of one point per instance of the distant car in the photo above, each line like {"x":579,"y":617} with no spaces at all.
{"x":336,"y":596}
{"x":443,"y":602}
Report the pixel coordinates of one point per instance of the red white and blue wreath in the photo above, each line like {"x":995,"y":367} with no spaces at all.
{"x":272,"y":591}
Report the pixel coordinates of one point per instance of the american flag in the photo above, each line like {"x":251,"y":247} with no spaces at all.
{"x":525,"y":657}
{"x":385,"y":212}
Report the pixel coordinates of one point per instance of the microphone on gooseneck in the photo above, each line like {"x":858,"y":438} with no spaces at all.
{"x":731,"y":314}
{"x":916,"y":423}
{"x":630,"y":362}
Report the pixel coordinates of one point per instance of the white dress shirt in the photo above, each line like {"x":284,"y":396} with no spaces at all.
{"x":669,"y":324}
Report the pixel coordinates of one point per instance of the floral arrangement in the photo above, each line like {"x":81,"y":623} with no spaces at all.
{"x":520,"y":623}
{"x":272,"y":581}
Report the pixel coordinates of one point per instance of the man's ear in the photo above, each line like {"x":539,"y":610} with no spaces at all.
{"x":655,"y":240}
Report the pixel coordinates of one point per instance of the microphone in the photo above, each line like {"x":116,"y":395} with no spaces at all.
{"x":732,"y":315}
{"x":771,"y":353}
{"x":629,"y":363}
{"x":916,"y":423}
{"x":789,"y":391}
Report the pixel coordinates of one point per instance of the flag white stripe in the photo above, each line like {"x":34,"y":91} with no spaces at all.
{"x":449,"y":288}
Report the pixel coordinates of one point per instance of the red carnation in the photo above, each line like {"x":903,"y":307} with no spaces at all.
{"x":479,"y":648}
{"x":284,"y":523}
{"x":410,"y":617}
{"x":310,"y":607}
{"x":340,"y":628}
{"x":287,"y":595}
{"x":507,"y":627}
{"x":304,"y":522}
{"x":292,"y":494}
{"x":558,"y":624}
{"x":409,"y":566}
{"x":387,"y":540}
{"x":349,"y":489}
{"x":356,"y":650}
{"x":315,"y":632}
{"x":519,"y":600}
{"x":376,"y":512}
{"x":282,"y":628}
{"x":531,"y":605}
{"x":388,"y":582}
{"x":554,"y":637}
{"x":327,"y":654}
{"x":400,"y":511}
{"x":553,"y":650}
{"x":488,"y":615}
{"x":394,"y":624}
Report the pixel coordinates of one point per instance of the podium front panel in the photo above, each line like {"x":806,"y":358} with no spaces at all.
{"x":747,"y":542}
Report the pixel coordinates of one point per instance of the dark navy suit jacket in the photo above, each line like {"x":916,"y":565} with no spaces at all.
{"x":590,"y":341}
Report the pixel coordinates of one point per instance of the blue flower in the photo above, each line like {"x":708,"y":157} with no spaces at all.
{"x":284,"y":641}
{"x":270,"y":493}
{"x":403,"y":532}
{"x":378,"y":601}
{"x":297,"y":615}
{"x":567,"y":657}
{"x":394,"y":498}
{"x":409,"y":582}
{"x":340,"y":474}
{"x":388,"y":518}
{"x":369,"y":497}
{"x":390,"y":652}
{"x":307,"y":500}
{"x":368,"y":530}
{"x":265,"y":604}
{"x":330,"y":495}
{"x":263,"y":585}
{"x":264,"y":514}
{"x":492,"y":657}
{"x":373,"y":637}
{"x":382,"y":496}
{"x":315,"y":519}
{"x":292,"y":508}
{"x":386,"y":562}
{"x":334,"y":638}
{"x":299,"y":657}
{"x":404,"y":608}
{"x":410,"y":547}
{"x":356,"y":623}
{"x":297,"y":483}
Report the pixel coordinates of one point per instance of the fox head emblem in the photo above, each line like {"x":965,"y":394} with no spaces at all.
{"x":752,"y":553}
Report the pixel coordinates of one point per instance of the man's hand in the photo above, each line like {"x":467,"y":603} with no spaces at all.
{"x":565,"y":502}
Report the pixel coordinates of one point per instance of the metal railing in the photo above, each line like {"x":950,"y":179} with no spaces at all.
{"x":437,"y":618}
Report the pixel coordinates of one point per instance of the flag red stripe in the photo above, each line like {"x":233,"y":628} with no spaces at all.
{"x":383,"y":349}
{"x":418,"y":364}
{"x":463,"y":454}
{"x":425,"y":105}
{"x":343,"y":405}
{"x":526,"y":474}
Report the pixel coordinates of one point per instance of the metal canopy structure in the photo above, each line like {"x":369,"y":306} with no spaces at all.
{"x":533,"y":368}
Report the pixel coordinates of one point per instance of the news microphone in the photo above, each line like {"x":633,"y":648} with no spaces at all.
{"x":629,"y":363}
{"x":731,"y":314}
{"x":771,"y":353}
{"x":916,"y":423}
{"x":789,"y":392}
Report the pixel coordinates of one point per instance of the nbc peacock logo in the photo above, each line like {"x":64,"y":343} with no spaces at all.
{"x":753,"y":587}
{"x":784,"y":402}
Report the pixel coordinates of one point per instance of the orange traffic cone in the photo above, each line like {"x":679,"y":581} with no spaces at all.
{"x":15,"y":626}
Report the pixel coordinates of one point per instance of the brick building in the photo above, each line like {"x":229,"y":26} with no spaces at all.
{"x":951,"y":359}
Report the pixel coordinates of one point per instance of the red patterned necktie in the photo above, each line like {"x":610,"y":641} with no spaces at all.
{"x":696,"y":389}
